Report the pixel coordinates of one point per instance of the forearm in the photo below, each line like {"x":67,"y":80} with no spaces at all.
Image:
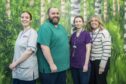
{"x":88,"y":49}
{"x":24,"y":56}
{"x":47,"y":54}
{"x":106,"y":53}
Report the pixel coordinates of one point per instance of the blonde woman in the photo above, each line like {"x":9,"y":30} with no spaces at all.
{"x":100,"y":51}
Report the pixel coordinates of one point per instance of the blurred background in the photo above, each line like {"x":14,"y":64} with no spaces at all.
{"x":112,"y":12}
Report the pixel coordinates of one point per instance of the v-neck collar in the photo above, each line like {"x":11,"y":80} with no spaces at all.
{"x":52,"y":24}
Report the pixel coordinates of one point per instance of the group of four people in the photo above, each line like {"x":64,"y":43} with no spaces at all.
{"x":86,"y":54}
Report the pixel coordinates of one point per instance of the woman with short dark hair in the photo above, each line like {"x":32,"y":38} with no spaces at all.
{"x":24,"y":65}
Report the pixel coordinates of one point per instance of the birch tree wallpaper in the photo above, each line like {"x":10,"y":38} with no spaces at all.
{"x":112,"y":12}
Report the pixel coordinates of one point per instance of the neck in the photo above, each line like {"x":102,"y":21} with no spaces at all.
{"x":26,"y":28}
{"x":56,"y":25}
{"x":79,"y":30}
{"x":95,"y":29}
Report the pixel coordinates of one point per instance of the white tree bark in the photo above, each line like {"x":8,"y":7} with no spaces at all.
{"x":125,"y":26}
{"x":49,"y":1}
{"x":98,"y":7}
{"x":118,"y":2}
{"x":75,"y":10}
{"x":8,"y":10}
{"x":85,"y":10}
{"x":42,"y":11}
{"x":105,"y":10}
{"x":63,"y":11}
{"x":114,"y":7}
{"x":31,"y":3}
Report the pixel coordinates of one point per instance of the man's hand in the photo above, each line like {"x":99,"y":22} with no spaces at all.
{"x":53,"y":68}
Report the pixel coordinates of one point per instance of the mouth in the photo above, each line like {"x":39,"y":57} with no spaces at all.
{"x":55,"y":18}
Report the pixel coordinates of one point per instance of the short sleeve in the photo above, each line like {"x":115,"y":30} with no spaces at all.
{"x":44,"y":36}
{"x":32,"y":40}
{"x":87,"y":38}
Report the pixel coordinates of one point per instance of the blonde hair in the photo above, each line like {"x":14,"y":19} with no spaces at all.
{"x":98,"y":19}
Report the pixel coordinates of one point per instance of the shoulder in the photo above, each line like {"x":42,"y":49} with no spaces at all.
{"x":44,"y":27}
{"x":86,"y":33}
{"x":105,"y":33}
{"x":74,"y":33}
{"x":33,"y":31}
{"x":61,"y":25}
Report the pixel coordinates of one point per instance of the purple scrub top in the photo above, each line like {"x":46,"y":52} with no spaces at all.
{"x":78,"y":49}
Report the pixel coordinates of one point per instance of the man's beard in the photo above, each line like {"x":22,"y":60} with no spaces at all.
{"x":54,"y":22}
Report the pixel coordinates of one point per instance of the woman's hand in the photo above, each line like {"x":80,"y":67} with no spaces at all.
{"x":85,"y":68}
{"x":101,"y":70}
{"x":12,"y":66}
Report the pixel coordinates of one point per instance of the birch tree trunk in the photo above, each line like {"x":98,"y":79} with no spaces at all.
{"x":85,"y":10}
{"x":105,"y":10}
{"x":49,"y":1}
{"x":98,"y":7}
{"x":42,"y":11}
{"x":118,"y":2}
{"x":31,"y":3}
{"x":114,"y":7}
{"x":63,"y":11}
{"x":75,"y":10}
{"x":125,"y":26}
{"x":8,"y":11}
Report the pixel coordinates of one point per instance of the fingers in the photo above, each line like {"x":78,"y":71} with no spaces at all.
{"x":85,"y":68}
{"x":53,"y":68}
{"x":101,"y":70}
{"x":12,"y":66}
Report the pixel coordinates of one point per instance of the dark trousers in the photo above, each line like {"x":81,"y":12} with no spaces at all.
{"x":17,"y":81}
{"x":80,"y":77}
{"x":95,"y":77}
{"x":53,"y":78}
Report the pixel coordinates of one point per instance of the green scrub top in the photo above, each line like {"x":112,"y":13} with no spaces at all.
{"x":57,"y":40}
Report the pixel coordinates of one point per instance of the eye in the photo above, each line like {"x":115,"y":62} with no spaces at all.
{"x":57,"y":13}
{"x":26,"y":17}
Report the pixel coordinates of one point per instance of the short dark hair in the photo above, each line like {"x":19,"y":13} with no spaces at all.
{"x":78,"y":17}
{"x":50,"y":9}
{"x":28,"y":13}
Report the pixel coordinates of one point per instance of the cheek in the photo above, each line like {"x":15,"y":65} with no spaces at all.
{"x":76,"y":24}
{"x":97,"y":24}
{"x":81,"y":24}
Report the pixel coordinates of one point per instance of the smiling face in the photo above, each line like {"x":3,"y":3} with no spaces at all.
{"x":25,"y":19}
{"x":94,"y":23}
{"x":78,"y":21}
{"x":54,"y":16}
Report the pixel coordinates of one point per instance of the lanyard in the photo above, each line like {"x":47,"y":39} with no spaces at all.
{"x":95,"y":36}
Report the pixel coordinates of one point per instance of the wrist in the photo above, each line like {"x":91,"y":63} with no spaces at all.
{"x":86,"y":64}
{"x":101,"y":67}
{"x":51,"y":64}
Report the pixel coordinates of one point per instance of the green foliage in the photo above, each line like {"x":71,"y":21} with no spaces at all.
{"x":7,"y":39}
{"x":117,"y":66}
